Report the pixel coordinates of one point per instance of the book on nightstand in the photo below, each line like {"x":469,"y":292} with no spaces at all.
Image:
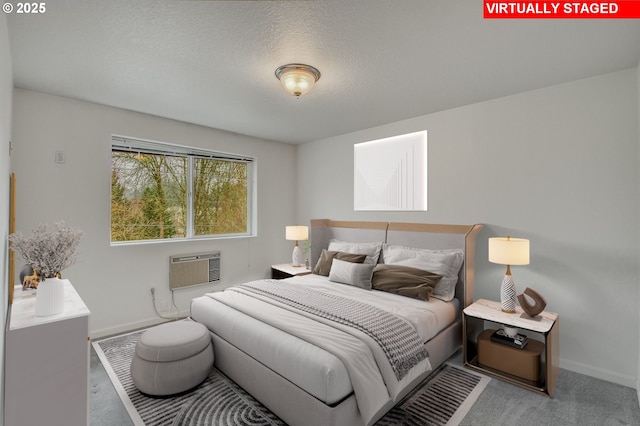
{"x":518,"y":341}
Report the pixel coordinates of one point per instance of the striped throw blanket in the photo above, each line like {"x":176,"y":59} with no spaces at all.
{"x":398,"y":340}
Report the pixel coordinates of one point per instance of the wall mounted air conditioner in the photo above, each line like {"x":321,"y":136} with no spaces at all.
{"x":193,"y":269}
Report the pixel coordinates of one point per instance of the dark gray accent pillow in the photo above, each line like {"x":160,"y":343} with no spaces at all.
{"x":405,"y":281}
{"x":323,"y":266}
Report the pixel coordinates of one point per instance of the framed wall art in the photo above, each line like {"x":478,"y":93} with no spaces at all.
{"x":391,"y":173}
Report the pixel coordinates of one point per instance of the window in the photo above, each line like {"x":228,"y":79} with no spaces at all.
{"x":168,"y":192}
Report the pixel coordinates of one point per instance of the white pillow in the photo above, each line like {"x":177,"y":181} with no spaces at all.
{"x":446,"y":263}
{"x":355,"y":274}
{"x":372,"y":250}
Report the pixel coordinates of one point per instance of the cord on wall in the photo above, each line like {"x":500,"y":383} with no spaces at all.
{"x":155,"y":308}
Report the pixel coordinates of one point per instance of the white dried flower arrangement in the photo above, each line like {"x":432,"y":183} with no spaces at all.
{"x":49,"y":249}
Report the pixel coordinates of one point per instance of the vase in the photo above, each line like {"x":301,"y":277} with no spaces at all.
{"x":50,"y":297}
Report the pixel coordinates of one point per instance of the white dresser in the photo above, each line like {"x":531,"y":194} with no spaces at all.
{"x":47,"y":363}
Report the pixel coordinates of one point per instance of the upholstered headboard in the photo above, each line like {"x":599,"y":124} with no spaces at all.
{"x":418,"y":235}
{"x":324,"y":230}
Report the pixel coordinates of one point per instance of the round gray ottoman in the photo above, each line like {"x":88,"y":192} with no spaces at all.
{"x":172,"y":358}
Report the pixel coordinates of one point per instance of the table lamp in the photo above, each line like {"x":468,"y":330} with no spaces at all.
{"x":508,"y":251}
{"x":297,"y":233}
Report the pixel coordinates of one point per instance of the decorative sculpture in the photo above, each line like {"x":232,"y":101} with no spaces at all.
{"x":29,"y":277}
{"x":537,"y":307}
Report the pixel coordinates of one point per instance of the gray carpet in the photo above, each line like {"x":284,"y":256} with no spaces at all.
{"x":578,"y":400}
{"x":444,"y":396}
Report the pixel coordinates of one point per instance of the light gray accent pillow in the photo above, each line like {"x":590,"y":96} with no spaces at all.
{"x":355,"y":274}
{"x":446,"y":263}
{"x":372,"y":250}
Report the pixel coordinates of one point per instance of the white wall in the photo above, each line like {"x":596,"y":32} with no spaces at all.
{"x":115,"y":282}
{"x":638,"y":196}
{"x":558,"y":166}
{"x":6,"y":89}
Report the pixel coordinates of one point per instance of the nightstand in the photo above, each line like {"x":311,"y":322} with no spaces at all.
{"x":543,"y":333}
{"x":286,"y":270}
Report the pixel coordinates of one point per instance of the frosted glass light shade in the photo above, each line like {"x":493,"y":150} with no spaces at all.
{"x":297,"y":233}
{"x":297,"y":79}
{"x":509,"y":251}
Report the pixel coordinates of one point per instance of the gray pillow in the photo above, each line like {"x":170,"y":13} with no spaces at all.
{"x":355,"y":274}
{"x":323,"y":266}
{"x":372,"y":250}
{"x":445,"y":262}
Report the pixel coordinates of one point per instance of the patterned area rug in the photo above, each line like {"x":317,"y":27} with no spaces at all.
{"x":442,"y":399}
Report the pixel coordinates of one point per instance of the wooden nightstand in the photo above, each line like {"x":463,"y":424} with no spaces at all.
{"x":286,"y":270}
{"x":544,"y":329}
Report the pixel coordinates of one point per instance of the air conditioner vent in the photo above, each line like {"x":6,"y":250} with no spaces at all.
{"x":193,"y":269}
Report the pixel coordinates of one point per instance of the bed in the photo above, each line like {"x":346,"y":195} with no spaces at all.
{"x":323,"y":357}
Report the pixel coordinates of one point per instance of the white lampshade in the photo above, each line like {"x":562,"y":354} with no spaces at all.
{"x":297,"y":233}
{"x":509,"y":251}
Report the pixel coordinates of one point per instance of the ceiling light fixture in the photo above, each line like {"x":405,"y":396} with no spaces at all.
{"x":297,"y":79}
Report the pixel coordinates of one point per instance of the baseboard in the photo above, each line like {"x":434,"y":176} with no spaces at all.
{"x":135,"y":325}
{"x":600,"y":373}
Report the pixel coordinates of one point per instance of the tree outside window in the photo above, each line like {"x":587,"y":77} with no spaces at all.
{"x":164,"y":196}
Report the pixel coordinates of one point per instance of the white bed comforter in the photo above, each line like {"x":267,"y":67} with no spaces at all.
{"x":374,"y":382}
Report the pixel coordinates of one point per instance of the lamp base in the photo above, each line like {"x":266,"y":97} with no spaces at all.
{"x":297,"y":258}
{"x":508,"y":295}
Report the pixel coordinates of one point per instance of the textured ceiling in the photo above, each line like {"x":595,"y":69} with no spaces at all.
{"x":212,"y":62}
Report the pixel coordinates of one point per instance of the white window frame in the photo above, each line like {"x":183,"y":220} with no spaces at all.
{"x":124,"y":143}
